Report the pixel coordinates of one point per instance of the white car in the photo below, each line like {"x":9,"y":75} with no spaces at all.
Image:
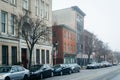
{"x":93,"y":65}
{"x":14,"y":72}
{"x":106,"y":64}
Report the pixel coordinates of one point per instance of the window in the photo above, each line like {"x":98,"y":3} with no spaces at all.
{"x":37,"y":56}
{"x":54,"y":33}
{"x":64,"y":47}
{"x":14,"y":69}
{"x":43,"y":56}
{"x":12,"y":24}
{"x":13,"y":2}
{"x":25,"y":4}
{"x":47,"y":11}
{"x":4,"y":21}
{"x":64,"y":34}
{"x":20,"y":68}
{"x":36,"y":7}
{"x":14,"y":55}
{"x":79,"y":20}
{"x":47,"y":56}
{"x":5,"y":55}
{"x":42,"y":9}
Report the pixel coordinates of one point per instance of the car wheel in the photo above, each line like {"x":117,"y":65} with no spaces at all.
{"x":74,"y":71}
{"x":61,"y":73}
{"x":70,"y":71}
{"x":79,"y":70}
{"x":25,"y":77}
{"x":52,"y":74}
{"x":41,"y":76}
{"x":7,"y":78}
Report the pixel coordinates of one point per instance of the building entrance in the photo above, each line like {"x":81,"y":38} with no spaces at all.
{"x":24,"y":57}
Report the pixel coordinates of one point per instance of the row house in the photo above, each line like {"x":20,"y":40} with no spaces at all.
{"x":73,"y":18}
{"x":65,"y":37}
{"x":14,"y":49}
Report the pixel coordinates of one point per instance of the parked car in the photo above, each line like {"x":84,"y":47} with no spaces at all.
{"x":13,"y":73}
{"x":93,"y":65}
{"x":106,"y":64}
{"x":61,"y":69}
{"x":41,"y":71}
{"x":75,"y":67}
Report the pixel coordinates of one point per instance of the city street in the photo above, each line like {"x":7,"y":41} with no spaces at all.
{"x":109,"y":73}
{"x":59,"y":40}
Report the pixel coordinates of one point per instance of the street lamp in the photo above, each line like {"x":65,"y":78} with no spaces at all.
{"x":55,"y":48}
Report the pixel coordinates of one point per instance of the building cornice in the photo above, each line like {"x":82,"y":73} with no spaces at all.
{"x":77,"y":9}
{"x":9,"y":38}
{"x":67,"y":27}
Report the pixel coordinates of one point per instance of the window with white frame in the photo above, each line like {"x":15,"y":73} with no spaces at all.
{"x":43,"y":56}
{"x":12,"y":24}
{"x":42,"y":9}
{"x":14,"y":54}
{"x":25,"y":4}
{"x":37,"y":56}
{"x":13,"y":2}
{"x":4,"y":21}
{"x":47,"y":11}
{"x":36,"y":7}
{"x":47,"y":56}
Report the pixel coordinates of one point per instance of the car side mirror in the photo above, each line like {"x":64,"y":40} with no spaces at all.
{"x":44,"y":68}
{"x":12,"y":71}
{"x":63,"y":67}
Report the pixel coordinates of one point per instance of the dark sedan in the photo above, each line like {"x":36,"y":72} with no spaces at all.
{"x":74,"y":67}
{"x":61,"y":69}
{"x":41,"y":71}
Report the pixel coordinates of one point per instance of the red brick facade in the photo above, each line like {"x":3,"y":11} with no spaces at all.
{"x":66,"y":39}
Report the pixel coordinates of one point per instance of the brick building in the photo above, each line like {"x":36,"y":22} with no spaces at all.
{"x":66,"y":39}
{"x":72,"y":17}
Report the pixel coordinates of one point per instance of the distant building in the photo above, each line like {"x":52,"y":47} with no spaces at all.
{"x":12,"y":48}
{"x":73,"y":17}
{"x":66,"y":40}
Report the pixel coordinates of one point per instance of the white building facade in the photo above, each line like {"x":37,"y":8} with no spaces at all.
{"x":12,"y":48}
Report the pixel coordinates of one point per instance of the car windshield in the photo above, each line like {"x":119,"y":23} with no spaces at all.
{"x":5,"y":69}
{"x":35,"y":67}
{"x":56,"y":66}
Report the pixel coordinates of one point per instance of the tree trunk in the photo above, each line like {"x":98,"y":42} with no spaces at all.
{"x":99,"y":59}
{"x":104,"y":57}
{"x":30,"y":59}
{"x":88,"y":61}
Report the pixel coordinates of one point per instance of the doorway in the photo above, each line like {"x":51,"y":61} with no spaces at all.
{"x":24,"y":57}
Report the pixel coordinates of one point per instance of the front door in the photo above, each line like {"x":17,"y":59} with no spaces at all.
{"x":5,"y":55}
{"x":24,"y":57}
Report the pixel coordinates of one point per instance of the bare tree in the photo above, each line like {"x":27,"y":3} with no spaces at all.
{"x":110,"y":57}
{"x":98,"y":49}
{"x":102,"y":50}
{"x":89,"y":39}
{"x":33,"y":31}
{"x":117,"y":56}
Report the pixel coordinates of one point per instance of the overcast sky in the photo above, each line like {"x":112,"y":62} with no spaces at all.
{"x":102,"y":18}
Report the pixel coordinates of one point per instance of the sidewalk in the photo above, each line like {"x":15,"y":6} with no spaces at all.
{"x":83,"y":67}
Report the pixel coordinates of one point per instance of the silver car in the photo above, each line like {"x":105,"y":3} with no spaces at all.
{"x":13,"y":73}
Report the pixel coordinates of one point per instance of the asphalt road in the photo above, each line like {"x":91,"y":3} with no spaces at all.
{"x":109,"y":73}
{"x":116,"y":77}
